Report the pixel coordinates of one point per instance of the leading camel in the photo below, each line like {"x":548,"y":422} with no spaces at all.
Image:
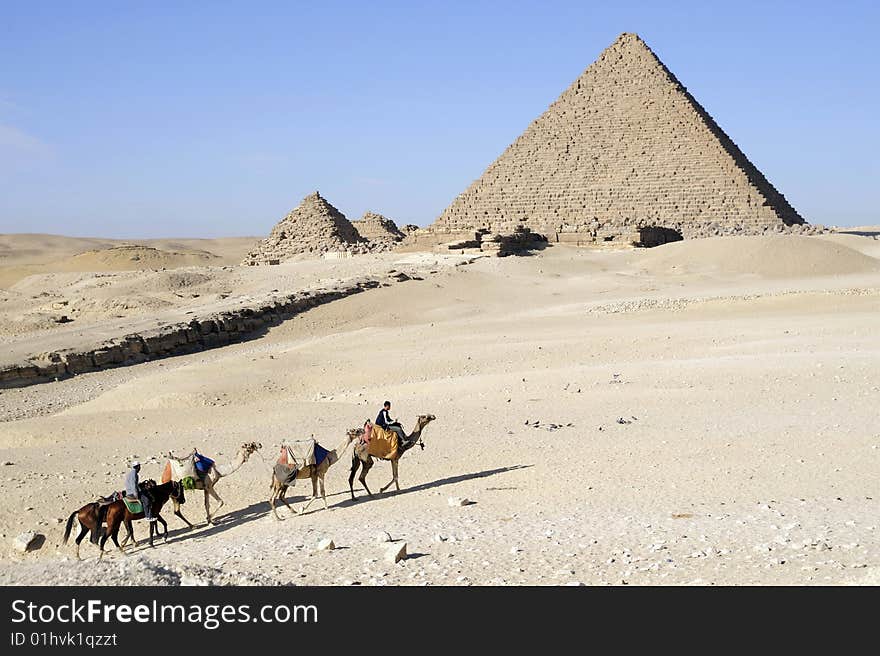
{"x":314,"y":472}
{"x":209,"y":481}
{"x":361,"y":456}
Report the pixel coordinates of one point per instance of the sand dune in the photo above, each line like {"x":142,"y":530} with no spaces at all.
{"x":777,"y":256}
{"x":23,"y":255}
{"x":135,"y":256}
{"x":864,"y":241}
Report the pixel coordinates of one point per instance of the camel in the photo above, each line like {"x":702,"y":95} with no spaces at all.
{"x":209,"y":481}
{"x":313,"y":472}
{"x":361,"y":456}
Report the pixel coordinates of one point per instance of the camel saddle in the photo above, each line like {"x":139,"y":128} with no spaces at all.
{"x":298,"y":453}
{"x":178,"y":468}
{"x":191,"y":470}
{"x":381,"y":443}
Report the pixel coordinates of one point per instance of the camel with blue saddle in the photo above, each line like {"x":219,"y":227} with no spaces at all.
{"x":301,"y":459}
{"x":198,"y":472}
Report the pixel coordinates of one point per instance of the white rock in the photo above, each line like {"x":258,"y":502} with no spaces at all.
{"x":396,"y":552}
{"x":190,"y":580}
{"x":439,"y":538}
{"x":458,"y":501}
{"x":27,"y":541}
{"x":382,"y":537}
{"x":326,"y":545}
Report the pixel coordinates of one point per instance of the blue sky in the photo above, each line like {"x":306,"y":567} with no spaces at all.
{"x":123,"y":119}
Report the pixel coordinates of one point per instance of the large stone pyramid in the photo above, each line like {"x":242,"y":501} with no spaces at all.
{"x":314,"y":227}
{"x":624,"y":151}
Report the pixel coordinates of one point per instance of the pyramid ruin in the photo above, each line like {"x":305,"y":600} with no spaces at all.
{"x":314,"y":227}
{"x":378,"y":229}
{"x":624,"y":155}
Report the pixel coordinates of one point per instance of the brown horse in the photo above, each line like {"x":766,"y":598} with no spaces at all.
{"x":117,"y":513}
{"x":88,"y":521}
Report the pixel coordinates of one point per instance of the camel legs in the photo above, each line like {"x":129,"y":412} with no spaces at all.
{"x":355,"y":465}
{"x":209,"y":490}
{"x":323,"y":492}
{"x":278,"y":494}
{"x":394,"y":479}
{"x":363,"y":477}
{"x":273,"y":496}
{"x":314,"y":478}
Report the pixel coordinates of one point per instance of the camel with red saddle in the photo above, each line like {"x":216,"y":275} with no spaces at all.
{"x":377,"y":442}
{"x":303,"y":459}
{"x":181,"y":468}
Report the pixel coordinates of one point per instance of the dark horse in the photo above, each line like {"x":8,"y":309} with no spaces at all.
{"x":117,"y":513}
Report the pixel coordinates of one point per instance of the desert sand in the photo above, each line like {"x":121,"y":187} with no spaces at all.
{"x":704,"y":412}
{"x":22,"y":255}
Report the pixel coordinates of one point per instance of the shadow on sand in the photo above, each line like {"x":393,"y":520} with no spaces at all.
{"x":261,"y":509}
{"x":427,"y":486}
{"x":861,"y":233}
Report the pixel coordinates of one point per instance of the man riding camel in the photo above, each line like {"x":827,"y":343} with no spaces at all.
{"x":385,"y":421}
{"x":133,"y":490}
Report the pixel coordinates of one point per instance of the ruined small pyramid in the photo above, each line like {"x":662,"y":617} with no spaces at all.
{"x":625,"y":148}
{"x":313,"y":227}
{"x":378,"y":229}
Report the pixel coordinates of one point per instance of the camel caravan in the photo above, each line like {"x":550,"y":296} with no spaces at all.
{"x":102,"y":519}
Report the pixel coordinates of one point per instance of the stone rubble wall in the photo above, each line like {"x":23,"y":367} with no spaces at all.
{"x":625,"y":147}
{"x":218,"y":329}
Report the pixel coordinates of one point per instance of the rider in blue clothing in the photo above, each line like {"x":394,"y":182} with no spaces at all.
{"x":385,"y":421}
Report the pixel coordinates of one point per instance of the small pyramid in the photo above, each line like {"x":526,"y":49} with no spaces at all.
{"x":377,"y":228}
{"x":625,"y":148}
{"x":313,"y":227}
